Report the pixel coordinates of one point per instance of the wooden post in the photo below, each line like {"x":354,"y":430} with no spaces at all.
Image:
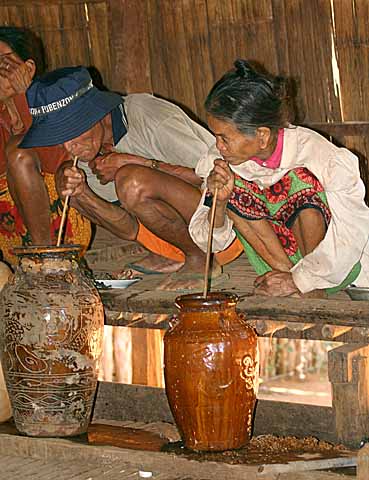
{"x":122,"y":354}
{"x":348,"y":371}
{"x":139,"y":355}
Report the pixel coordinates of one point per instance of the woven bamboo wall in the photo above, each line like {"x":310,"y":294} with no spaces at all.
{"x":73,"y":32}
{"x":179,"y":48}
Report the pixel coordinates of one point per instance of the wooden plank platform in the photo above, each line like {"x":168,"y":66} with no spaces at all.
{"x":27,"y":468}
{"x":141,"y":305}
{"x":75,"y":458}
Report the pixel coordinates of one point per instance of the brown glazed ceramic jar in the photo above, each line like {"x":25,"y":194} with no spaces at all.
{"x":211,"y":372}
{"x":52,"y":328}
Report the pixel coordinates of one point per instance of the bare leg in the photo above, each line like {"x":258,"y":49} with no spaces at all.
{"x":309,"y":230}
{"x":261,"y":236}
{"x":29,"y":193}
{"x":165,"y":204}
{"x":115,"y":219}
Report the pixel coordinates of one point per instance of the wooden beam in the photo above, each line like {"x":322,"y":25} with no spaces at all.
{"x":123,"y":402}
{"x":318,"y":312}
{"x":264,"y":328}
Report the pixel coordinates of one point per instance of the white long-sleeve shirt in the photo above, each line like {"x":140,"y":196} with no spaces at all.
{"x":347,"y":238}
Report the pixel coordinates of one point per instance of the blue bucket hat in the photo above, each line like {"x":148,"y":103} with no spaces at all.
{"x":64,"y":104}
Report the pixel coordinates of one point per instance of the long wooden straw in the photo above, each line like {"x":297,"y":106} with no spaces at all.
{"x":65,"y":209}
{"x":210,"y":238}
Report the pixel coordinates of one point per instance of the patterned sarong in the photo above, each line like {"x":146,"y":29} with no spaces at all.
{"x":13,"y":233}
{"x":280,"y":204}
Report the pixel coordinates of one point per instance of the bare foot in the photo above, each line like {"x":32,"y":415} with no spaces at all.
{"x":313,"y":294}
{"x":189,"y":277}
{"x":151,"y":264}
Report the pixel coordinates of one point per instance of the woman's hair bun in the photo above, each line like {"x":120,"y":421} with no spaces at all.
{"x":249,"y":96}
{"x":245,"y":70}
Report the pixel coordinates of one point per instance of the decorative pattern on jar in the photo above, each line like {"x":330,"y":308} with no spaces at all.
{"x":211,"y":370}
{"x":52,"y":322}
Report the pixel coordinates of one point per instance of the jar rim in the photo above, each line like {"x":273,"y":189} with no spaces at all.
{"x":47,"y":250}
{"x":211,"y":301}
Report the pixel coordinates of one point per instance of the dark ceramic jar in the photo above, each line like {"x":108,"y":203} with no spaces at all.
{"x":211,"y":372}
{"x":53,"y":322}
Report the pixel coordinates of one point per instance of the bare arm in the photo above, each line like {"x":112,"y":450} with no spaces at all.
{"x":106,"y":166}
{"x":72,"y":181}
{"x":221,"y":178}
{"x":15,"y":78}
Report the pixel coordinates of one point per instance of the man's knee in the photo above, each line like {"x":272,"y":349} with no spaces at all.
{"x":132,"y":185}
{"x":21,"y":160}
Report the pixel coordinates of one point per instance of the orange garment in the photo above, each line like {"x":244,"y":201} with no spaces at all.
{"x":156,"y":245}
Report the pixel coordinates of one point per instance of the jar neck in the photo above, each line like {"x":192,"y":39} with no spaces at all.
{"x":214,"y":302}
{"x":53,"y":259}
{"x":46,"y":264}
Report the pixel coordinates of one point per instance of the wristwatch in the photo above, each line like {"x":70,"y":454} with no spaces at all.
{"x":155,"y":164}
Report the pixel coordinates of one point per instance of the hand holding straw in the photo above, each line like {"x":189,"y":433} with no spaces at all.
{"x":65,"y":208}
{"x":210,"y":238}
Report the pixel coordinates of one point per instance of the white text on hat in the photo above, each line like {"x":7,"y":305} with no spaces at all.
{"x":59,"y":104}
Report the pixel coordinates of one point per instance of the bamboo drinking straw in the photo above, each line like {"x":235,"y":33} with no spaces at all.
{"x":210,"y":238}
{"x":65,"y":208}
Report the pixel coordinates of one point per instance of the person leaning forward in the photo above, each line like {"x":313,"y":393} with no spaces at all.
{"x":294,"y":199}
{"x":135,"y":175}
{"x":30,"y":209}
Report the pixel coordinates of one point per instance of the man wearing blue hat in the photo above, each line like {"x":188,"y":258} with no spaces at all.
{"x":136,"y":158}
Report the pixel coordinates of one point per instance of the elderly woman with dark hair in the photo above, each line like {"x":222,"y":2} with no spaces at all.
{"x":295,"y":200}
{"x":29,"y":205}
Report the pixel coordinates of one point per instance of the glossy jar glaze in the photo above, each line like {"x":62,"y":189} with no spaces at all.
{"x":52,"y":328}
{"x":211,"y":372}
